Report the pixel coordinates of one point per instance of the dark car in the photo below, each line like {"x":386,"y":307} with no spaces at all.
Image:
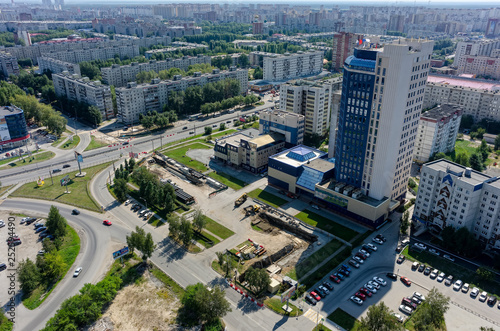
{"x":409,"y":303}
{"x":320,"y":292}
{"x":30,"y":220}
{"x":66,"y":166}
{"x":37,"y":225}
{"x":399,"y":249}
{"x":328,"y":285}
{"x":361,"y":255}
{"x":75,"y":212}
{"x":310,"y":299}
{"x":345,"y":267}
{"x":185,"y":128}
{"x":14,"y":243}
{"x":44,"y":234}
{"x":492,"y":300}
{"x":339,"y":276}
{"x":360,"y":295}
{"x":427,"y":271}
{"x":381,"y":237}
{"x":56,"y":170}
{"x":335,"y":279}
{"x":40,"y":229}
{"x":365,"y":292}
{"x":125,"y":143}
{"x":344,"y":273}
{"x":392,"y":275}
{"x":3,"y":266}
{"x":421,"y":268}
{"x":401,"y":259}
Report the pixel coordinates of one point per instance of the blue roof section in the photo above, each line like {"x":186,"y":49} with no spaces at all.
{"x":357,"y":63}
{"x":309,"y":178}
{"x":301,"y":154}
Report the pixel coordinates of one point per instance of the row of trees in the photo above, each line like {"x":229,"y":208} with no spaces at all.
{"x":147,"y":76}
{"x":225,"y":104}
{"x":92,"y":70}
{"x":155,"y":119}
{"x":189,"y":101}
{"x":50,"y":267}
{"x":481,"y":127}
{"x":460,"y":241}
{"x":153,"y":191}
{"x":428,"y":316}
{"x":83,"y":111}
{"x":142,"y":241}
{"x":280,"y":48}
{"x":476,"y":160}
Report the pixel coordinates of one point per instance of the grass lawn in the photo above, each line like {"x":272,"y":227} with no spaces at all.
{"x":195,"y":139}
{"x":69,"y":251}
{"x":59,"y":139}
{"x":228,"y":180}
{"x":179,"y":154}
{"x":256,"y":228}
{"x":267,"y":197}
{"x":78,"y":186}
{"x":218,"y":229}
{"x":168,"y":282}
{"x":5,"y":323}
{"x":155,"y":221}
{"x":4,"y":189}
{"x":292,"y":274}
{"x":203,"y":241}
{"x":326,"y":268}
{"x":35,"y":158}
{"x":275,"y":305}
{"x":326,"y":224}
{"x":448,"y":267}
{"x":71,"y":144}
{"x":95,"y":144}
{"x":192,"y":248}
{"x":321,"y":327}
{"x":317,"y":257}
{"x":344,"y":320}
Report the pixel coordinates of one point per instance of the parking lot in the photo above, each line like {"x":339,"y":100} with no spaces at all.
{"x":29,"y":247}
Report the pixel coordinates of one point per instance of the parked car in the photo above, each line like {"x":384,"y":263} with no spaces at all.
{"x":75,"y":212}
{"x":421,"y":268}
{"x":345,"y":267}
{"x":406,"y":281}
{"x":127,"y":202}
{"x":474,"y":292}
{"x":77,"y":272}
{"x":380,"y":281}
{"x":365,"y":292}
{"x":441,"y":277}
{"x":335,"y":279}
{"x":448,"y":280}
{"x":3,"y":266}
{"x":401,"y":259}
{"x":361,"y":256}
{"x":370,"y":247}
{"x":358,"y":259}
{"x":66,"y":166}
{"x":356,"y":300}
{"x":398,"y":317}
{"x":354,"y":263}
{"x":419,"y":295}
{"x":315,"y":296}
{"x":458,"y":285}
{"x":392,"y":275}
{"x":374,"y":284}
{"x":360,"y":295}
{"x":483,"y":296}
{"x":378,"y":241}
{"x":340,"y":276}
{"x":328,"y":286}
{"x":415,"y":266}
{"x":427,"y":271}
{"x":492,"y":300}
{"x":433,"y":251}
{"x":409,"y":303}
{"x":365,"y":252}
{"x":56,"y":170}
{"x":415,"y":300}
{"x":40,"y":229}
{"x":370,"y":288}
{"x":405,"y":309}
{"x":399,"y":249}
{"x":2,"y":223}
{"x":434,"y":273}
{"x":343,"y":272}
{"x":324,"y":289}
{"x":446,"y":256}
{"x":465,"y":288}
{"x":310,"y":299}
{"x":41,"y":252}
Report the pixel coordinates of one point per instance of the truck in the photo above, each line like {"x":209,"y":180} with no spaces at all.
{"x":240,"y":200}
{"x":251,"y":209}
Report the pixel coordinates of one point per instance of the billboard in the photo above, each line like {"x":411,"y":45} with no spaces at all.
{"x":285,"y":296}
{"x":65,"y":180}
{"x":4,"y":130}
{"x":120,"y":253}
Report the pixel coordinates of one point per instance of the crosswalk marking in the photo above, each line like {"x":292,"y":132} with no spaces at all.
{"x":313,"y":315}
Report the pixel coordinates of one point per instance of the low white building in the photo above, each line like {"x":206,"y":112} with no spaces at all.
{"x":437,"y":131}
{"x":453,"y":195}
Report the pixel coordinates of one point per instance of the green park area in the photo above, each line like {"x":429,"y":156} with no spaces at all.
{"x":52,"y":190}
{"x":26,"y":160}
{"x":326,"y":224}
{"x":179,"y":155}
{"x":71,"y":142}
{"x":227,"y":180}
{"x":267,"y":197}
{"x":95,"y":143}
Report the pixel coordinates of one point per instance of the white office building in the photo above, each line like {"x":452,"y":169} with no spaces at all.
{"x":290,"y":66}
{"x":136,"y":99}
{"x":119,"y":76}
{"x":437,"y":131}
{"x":83,"y":90}
{"x":313,"y":99}
{"x":478,"y":98}
{"x":453,"y":195}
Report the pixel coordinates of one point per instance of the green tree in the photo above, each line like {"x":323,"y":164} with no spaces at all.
{"x":497,"y":142}
{"x":480,"y":133}
{"x":411,"y":183}
{"x":199,"y":220}
{"x":54,"y":266}
{"x":463,"y":159}
{"x":208,"y":130}
{"x":244,"y":61}
{"x":258,"y":280}
{"x":405,"y":222}
{"x":438,"y":305}
{"x":95,"y":116}
{"x":136,"y":239}
{"x":186,"y":232}
{"x":222,"y":126}
{"x":448,"y":236}
{"x":120,"y":188}
{"x":56,"y":224}
{"x":174,"y":226}
{"x":148,"y":247}
{"x":29,"y":276}
{"x":476,"y":162}
{"x":485,"y":274}
{"x":258,"y":73}
{"x":379,"y":318}
{"x":203,"y":304}
{"x":484,"y":149}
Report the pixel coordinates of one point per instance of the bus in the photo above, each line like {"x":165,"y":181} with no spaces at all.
{"x":195,"y":116}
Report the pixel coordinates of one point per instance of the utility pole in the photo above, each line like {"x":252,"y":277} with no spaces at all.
{"x":50,"y":174}
{"x":153,"y":143}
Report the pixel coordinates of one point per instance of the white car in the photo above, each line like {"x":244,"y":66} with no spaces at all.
{"x":433,"y":251}
{"x":374,"y":284}
{"x":398,"y":317}
{"x":474,"y":292}
{"x":315,"y":207}
{"x":458,"y":285}
{"x":465,"y":288}
{"x":358,"y":259}
{"x":2,"y":223}
{"x":405,"y":309}
{"x":77,"y":271}
{"x":378,"y":241}
{"x":370,"y":288}
{"x":420,"y":296}
{"x":441,"y":277}
{"x":420,"y":246}
{"x":362,"y":251}
{"x":380,"y":281}
{"x":372,"y":247}
{"x":356,"y":300}
{"x":483,"y":296}
{"x":434,"y":274}
{"x":127,"y":202}
{"x":446,"y":256}
{"x":324,"y":289}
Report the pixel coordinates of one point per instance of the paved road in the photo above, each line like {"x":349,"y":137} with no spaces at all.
{"x":94,"y":257}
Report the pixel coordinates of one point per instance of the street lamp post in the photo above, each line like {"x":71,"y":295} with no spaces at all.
{"x":145,"y":202}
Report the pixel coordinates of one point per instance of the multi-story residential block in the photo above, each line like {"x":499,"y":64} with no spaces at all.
{"x":382,"y":96}
{"x":119,"y":76}
{"x":257,"y":58}
{"x":248,"y":150}
{"x":289,"y":124}
{"x":483,"y":47}
{"x":313,"y":99}
{"x":101,"y":53}
{"x":486,"y":66}
{"x":9,"y":65}
{"x":343,"y":47}
{"x":450,"y":194}
{"x":290,"y":66}
{"x":478,"y":98}
{"x":176,"y":46}
{"x":437,"y":131}
{"x":56,"y":66}
{"x":136,"y":99}
{"x":83,"y":90}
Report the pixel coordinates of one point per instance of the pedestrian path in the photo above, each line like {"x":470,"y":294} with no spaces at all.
{"x":313,"y":315}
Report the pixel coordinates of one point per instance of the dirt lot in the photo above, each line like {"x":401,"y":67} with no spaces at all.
{"x":28,"y":249}
{"x":144,"y":306}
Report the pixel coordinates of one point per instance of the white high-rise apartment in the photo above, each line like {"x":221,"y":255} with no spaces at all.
{"x":290,"y":66}
{"x":437,"y":131}
{"x":453,"y":195}
{"x":382,"y":95}
{"x":56,"y":66}
{"x":482,"y":47}
{"x":81,"y":89}
{"x":311,"y":99}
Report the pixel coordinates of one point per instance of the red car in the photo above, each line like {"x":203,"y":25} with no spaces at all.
{"x":335,"y":279}
{"x":106,"y":222}
{"x":360,"y":295}
{"x":361,"y":256}
{"x":365,"y":292}
{"x":406,"y":281}
{"x":315,"y":296}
